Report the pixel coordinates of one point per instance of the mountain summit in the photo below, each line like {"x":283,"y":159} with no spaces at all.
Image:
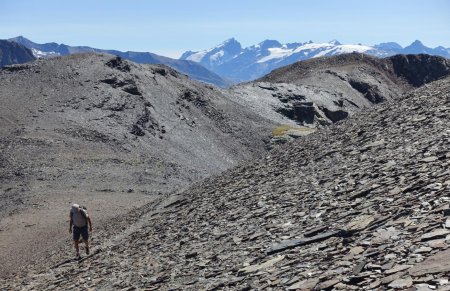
{"x":334,"y":42}
{"x":215,"y":56}
{"x":416,"y":47}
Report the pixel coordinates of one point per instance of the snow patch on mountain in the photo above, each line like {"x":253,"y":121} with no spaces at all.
{"x":40,"y":54}
{"x":344,"y":49}
{"x":276,"y":53}
{"x":313,"y":50}
{"x":217,"y":55}
{"x":197,"y":57}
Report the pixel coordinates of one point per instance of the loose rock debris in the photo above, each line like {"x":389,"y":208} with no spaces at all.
{"x":366,"y":215}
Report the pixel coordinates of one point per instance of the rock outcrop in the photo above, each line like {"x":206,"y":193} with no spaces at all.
{"x":420,"y":69}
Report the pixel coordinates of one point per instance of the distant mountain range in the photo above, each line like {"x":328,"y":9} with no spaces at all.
{"x":190,"y":68}
{"x":231,"y":61}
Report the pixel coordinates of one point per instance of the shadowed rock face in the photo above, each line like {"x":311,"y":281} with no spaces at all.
{"x":420,"y":69}
{"x":335,"y":116}
{"x":14,"y":53}
{"x":359,"y":203}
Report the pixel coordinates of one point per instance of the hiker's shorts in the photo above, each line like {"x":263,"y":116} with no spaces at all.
{"x":83,"y":231}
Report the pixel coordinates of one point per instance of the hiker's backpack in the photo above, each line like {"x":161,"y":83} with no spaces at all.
{"x":83,"y":211}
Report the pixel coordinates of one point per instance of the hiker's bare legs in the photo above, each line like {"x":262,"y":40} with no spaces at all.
{"x":86,"y":243}
{"x":77,"y":248}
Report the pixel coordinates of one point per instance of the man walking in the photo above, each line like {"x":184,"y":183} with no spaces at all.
{"x":80,"y":219}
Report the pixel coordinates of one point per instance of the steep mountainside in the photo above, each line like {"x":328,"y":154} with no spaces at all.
{"x":90,"y":128}
{"x":239,"y":64}
{"x":357,"y":206}
{"x":13,"y":53}
{"x":325,"y":90}
{"x":192,"y":69}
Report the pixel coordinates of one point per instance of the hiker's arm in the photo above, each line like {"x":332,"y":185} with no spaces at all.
{"x":70,"y":224}
{"x":90,"y":223}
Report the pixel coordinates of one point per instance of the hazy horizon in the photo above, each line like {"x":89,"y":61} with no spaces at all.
{"x":171,"y":28}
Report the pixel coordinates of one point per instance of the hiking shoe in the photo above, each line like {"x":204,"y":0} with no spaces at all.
{"x":87,"y":251}
{"x":78,"y":257}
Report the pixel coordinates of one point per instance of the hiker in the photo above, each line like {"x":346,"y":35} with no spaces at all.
{"x":80,"y":219}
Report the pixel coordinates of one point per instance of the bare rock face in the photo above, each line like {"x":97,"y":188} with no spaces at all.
{"x":420,"y":69}
{"x":13,"y":53}
{"x":335,"y":115}
{"x":302,"y":112}
{"x":361,"y":204}
{"x":370,"y":92}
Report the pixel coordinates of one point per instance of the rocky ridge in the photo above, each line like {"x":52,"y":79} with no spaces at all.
{"x":414,"y":70}
{"x":360,"y":205}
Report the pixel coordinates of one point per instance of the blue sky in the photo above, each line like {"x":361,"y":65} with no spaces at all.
{"x":170,"y":27}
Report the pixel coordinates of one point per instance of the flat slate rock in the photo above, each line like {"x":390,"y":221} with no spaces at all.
{"x":440,"y":233}
{"x":293,"y":243}
{"x":401,"y":283}
{"x":359,"y":223}
{"x":254,"y":268}
{"x":308,"y":284}
{"x":437,"y":263}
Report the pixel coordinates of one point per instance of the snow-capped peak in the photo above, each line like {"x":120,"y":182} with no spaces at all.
{"x":232,"y":61}
{"x":216,"y":55}
{"x":269,"y":43}
{"x":334,"y":42}
{"x":230,"y":41}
